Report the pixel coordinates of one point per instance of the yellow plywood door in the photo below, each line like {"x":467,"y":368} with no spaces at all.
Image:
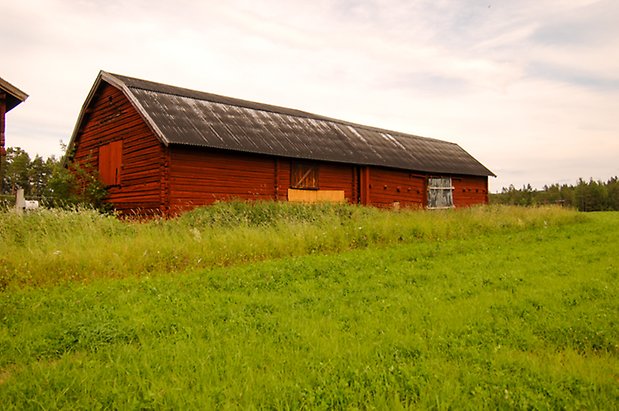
{"x":315,"y":196}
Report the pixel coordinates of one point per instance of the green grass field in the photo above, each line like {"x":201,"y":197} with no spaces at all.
{"x":270,"y":306}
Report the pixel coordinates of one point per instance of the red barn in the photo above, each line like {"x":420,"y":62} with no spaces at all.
{"x":163,"y":149}
{"x":10,"y":96}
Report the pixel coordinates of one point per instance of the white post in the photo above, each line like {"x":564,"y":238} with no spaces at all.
{"x":20,"y":201}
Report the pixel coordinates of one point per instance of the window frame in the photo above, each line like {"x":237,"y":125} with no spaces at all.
{"x":304,"y":175}
{"x":437,"y":186}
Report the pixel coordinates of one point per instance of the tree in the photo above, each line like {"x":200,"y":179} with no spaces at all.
{"x":589,"y":195}
{"x":71,"y":185}
{"x":52,"y":181}
{"x":15,"y":170}
{"x":612,"y":188}
{"x":39,"y":173}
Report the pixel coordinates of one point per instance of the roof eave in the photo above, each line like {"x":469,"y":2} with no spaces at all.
{"x":16,"y":95}
{"x":480,"y":173}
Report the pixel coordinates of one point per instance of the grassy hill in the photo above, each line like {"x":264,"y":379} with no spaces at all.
{"x":279,"y":306}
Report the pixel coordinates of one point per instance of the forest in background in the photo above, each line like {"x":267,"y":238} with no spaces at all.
{"x":591,"y":195}
{"x":47,"y":180}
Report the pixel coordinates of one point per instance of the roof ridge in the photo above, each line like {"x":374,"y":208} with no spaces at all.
{"x":203,"y":95}
{"x":254,"y":105}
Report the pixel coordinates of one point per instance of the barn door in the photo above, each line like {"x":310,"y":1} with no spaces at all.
{"x":110,"y":162}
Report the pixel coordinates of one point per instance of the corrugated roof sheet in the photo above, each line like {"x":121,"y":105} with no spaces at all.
{"x":188,"y":117}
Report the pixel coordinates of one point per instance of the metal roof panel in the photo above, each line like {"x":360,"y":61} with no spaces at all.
{"x":189,"y":117}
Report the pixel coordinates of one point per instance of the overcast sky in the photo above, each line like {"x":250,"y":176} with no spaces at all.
{"x":529,"y":87}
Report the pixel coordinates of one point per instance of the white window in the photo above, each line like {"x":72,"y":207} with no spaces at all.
{"x":440,"y":192}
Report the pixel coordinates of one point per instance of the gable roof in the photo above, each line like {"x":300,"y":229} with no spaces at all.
{"x":188,"y":117}
{"x":14,"y":96}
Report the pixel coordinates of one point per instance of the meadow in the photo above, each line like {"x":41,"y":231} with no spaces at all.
{"x":305,"y":307}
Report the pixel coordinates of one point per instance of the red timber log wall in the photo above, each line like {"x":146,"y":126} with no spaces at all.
{"x":201,"y":176}
{"x":2,"y":127}
{"x":389,"y":186}
{"x":469,"y":190}
{"x":110,"y":118}
{"x":332,"y":176}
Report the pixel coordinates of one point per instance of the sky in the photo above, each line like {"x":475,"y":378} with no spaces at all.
{"x":530,"y":88}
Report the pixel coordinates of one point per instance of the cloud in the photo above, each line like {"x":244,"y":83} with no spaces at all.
{"x":590,"y":25}
{"x":524,"y":86}
{"x":574,"y":76}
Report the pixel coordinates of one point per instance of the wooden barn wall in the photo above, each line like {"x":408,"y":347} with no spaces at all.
{"x":200,"y":177}
{"x":388,"y":186}
{"x":337,"y":177}
{"x":2,"y":119}
{"x":110,"y":117}
{"x":469,"y":190}
{"x":282,"y":178}
{"x":331,"y":176}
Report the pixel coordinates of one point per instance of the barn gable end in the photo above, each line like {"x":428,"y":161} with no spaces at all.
{"x":112,"y":139}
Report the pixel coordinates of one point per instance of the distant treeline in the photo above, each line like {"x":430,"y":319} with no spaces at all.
{"x":589,"y":195}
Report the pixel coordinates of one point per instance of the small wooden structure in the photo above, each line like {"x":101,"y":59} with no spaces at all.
{"x":162,"y":149}
{"x":10,"y":97}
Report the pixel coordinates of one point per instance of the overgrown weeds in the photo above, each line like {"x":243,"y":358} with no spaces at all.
{"x":52,"y":246}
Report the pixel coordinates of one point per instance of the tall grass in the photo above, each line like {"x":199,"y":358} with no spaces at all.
{"x":52,"y":246}
{"x":518,"y":313}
